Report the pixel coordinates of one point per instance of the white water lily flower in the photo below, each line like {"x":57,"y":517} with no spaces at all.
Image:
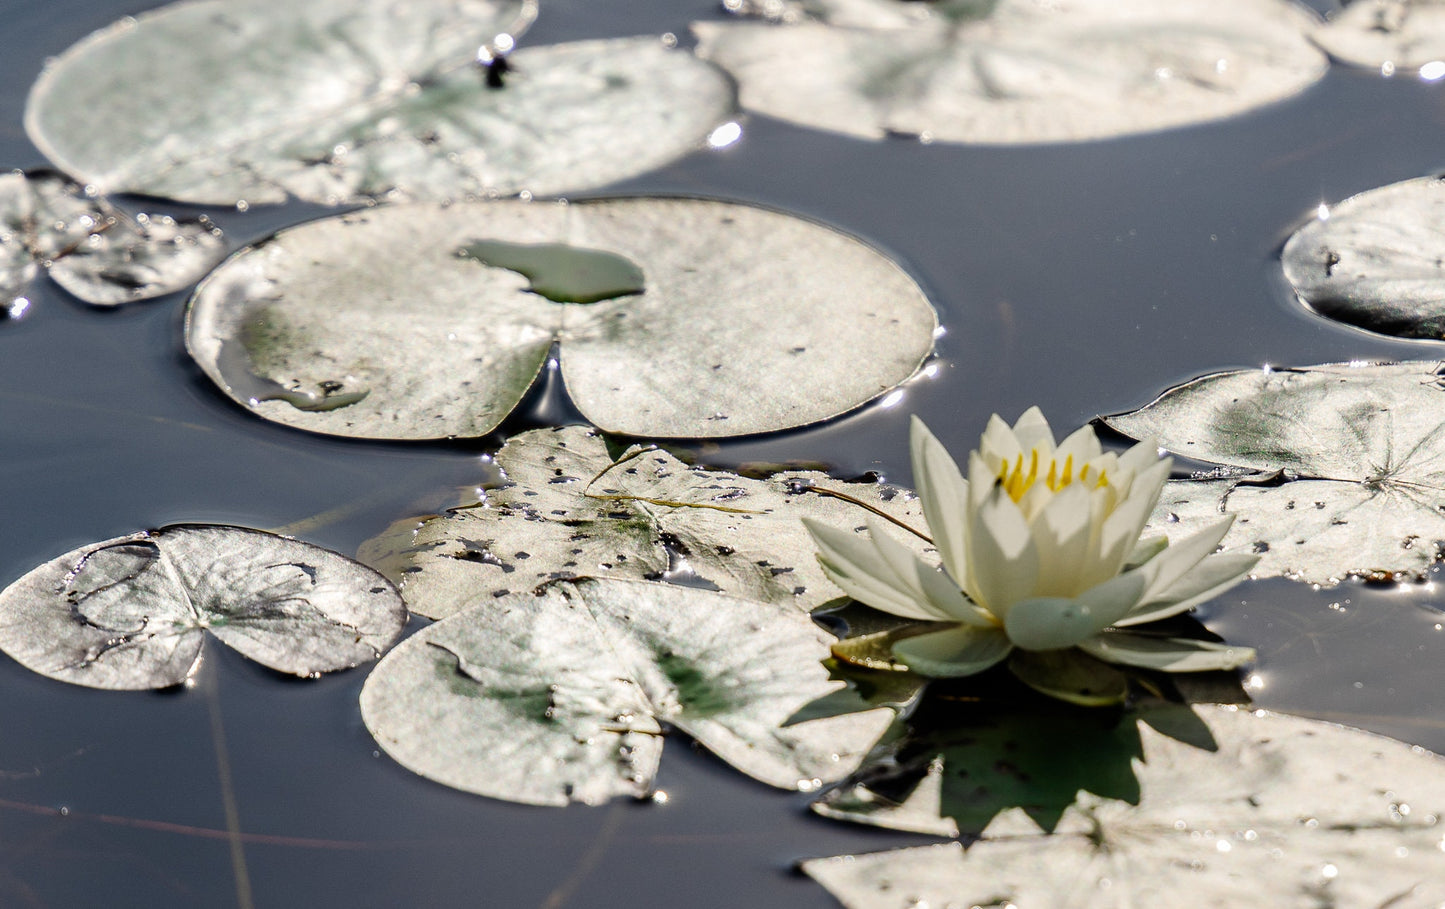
{"x":1041,"y":552}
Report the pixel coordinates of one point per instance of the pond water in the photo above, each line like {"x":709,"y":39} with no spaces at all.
{"x":1084,"y":278}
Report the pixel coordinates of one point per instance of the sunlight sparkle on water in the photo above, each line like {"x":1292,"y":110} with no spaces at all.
{"x":725,"y":135}
{"x":1433,"y":71}
{"x":892,"y":398}
{"x":1323,"y":212}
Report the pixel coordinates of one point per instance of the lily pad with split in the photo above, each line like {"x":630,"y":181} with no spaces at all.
{"x":134,"y":612}
{"x":337,"y":101}
{"x":1394,"y":36}
{"x":94,"y":250}
{"x":1338,"y":469}
{"x":675,"y":318}
{"x":565,"y":695}
{"x":1017,"y":71}
{"x":1281,"y":811}
{"x":574,"y":508}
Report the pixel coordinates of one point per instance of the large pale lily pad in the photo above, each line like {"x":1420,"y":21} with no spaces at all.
{"x":573,"y":510}
{"x":220,"y":101}
{"x":1017,"y":71}
{"x":1376,"y":260}
{"x":97,"y":252}
{"x":1287,"y":812}
{"x":1349,"y":461}
{"x":1391,"y":34}
{"x":387,"y":323}
{"x":133,"y":612}
{"x":564,"y":695}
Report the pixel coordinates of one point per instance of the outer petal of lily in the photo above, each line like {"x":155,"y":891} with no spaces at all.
{"x":953,"y":652}
{"x":1052,"y":623}
{"x":1166,"y":654}
{"x":1032,"y":431}
{"x":944,"y":493}
{"x":855,"y":565}
{"x":924,"y":582}
{"x":1140,"y":456}
{"x":1146,"y":549}
{"x":1061,"y":533}
{"x":1003,"y":563}
{"x":1211,"y":577}
{"x":1181,"y":557}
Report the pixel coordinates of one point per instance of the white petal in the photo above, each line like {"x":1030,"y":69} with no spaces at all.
{"x":1138,"y":458}
{"x":1182,"y":555}
{"x":1210,"y":578}
{"x":1061,"y":533}
{"x":1082,"y":443}
{"x":1052,"y":623}
{"x":1032,"y":431}
{"x":944,"y":493}
{"x":981,"y":480}
{"x":1122,"y":528}
{"x":953,"y":652}
{"x":855,"y":565}
{"x":1167,"y":654}
{"x":1003,"y":564}
{"x":1146,"y":549}
{"x":998,"y":444}
{"x":923,"y":581}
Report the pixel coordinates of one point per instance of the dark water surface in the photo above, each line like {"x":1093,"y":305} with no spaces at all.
{"x":1084,"y":278}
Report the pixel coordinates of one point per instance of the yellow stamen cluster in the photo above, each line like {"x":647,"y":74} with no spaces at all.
{"x":1017,"y":482}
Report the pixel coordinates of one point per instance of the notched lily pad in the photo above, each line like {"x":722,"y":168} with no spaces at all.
{"x":1376,"y":260}
{"x":1393,"y":35}
{"x":336,"y":101}
{"x":565,"y":695}
{"x":133,"y":612}
{"x":1349,"y":462}
{"x":1016,"y":71}
{"x":573,"y":510}
{"x":709,"y":318}
{"x":1286,"y":812}
{"x":94,"y":250}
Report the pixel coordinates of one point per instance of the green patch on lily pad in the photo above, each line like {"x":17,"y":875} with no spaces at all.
{"x":1332,"y":471}
{"x":739,"y":326}
{"x":565,"y":695}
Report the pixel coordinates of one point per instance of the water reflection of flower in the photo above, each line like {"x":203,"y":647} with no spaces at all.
{"x":1041,"y":552}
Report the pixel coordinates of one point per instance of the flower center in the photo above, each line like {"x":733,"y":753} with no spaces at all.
{"x":1018,"y":478}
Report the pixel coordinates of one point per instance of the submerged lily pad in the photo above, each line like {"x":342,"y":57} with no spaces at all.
{"x":92,"y":249}
{"x":1393,"y":35}
{"x":741,"y":326}
{"x":1349,"y":463}
{"x":334,"y":101}
{"x":1017,"y":71}
{"x":133,"y":612}
{"x":1376,"y":260}
{"x":564,"y":695}
{"x":574,"y":510}
{"x":1286,"y":812}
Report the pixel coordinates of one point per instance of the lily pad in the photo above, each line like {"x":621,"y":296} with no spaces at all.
{"x":337,"y":101}
{"x":564,"y":695}
{"x":133,"y":612}
{"x":575,"y":510}
{"x":1019,"y":71}
{"x":92,"y":249}
{"x":739,"y":327}
{"x":1348,"y":461}
{"x":1287,"y":812}
{"x":1376,"y":260}
{"x":1393,"y":35}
